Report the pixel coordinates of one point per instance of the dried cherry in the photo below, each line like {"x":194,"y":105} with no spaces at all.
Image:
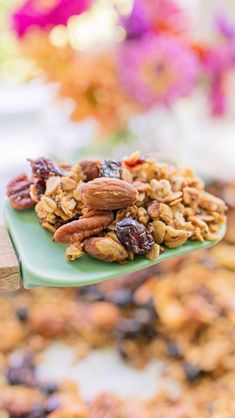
{"x":134,"y":236}
{"x":43,"y":168}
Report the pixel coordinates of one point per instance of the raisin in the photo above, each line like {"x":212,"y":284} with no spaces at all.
{"x":121,"y":297}
{"x":173,"y":350}
{"x":134,"y":236}
{"x":111,"y":168}
{"x":128,"y":329}
{"x":52,"y":404}
{"x":38,"y":411}
{"x":21,"y":376}
{"x":43,"y":168}
{"x":22,"y":372}
{"x":191,"y":371}
{"x":49,"y":388}
{"x":40,"y":187}
{"x":22,"y":314}
{"x":91,"y":294}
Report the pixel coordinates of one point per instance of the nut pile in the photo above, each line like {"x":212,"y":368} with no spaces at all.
{"x":114,"y":210}
{"x":180,"y":312}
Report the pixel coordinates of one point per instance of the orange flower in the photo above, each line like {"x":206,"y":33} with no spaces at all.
{"x":89,"y":79}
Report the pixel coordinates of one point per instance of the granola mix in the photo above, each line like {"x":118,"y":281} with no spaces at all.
{"x":181,"y":312}
{"x":114,"y":210}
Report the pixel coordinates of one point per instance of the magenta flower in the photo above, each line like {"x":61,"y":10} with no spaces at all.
{"x":38,"y":13}
{"x":138,"y":23}
{"x":157,"y":70}
{"x":219,"y":61}
{"x":161,"y":16}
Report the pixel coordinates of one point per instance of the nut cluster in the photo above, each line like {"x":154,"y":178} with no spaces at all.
{"x":113,"y":210}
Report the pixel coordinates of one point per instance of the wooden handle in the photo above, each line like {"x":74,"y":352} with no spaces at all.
{"x":9,"y":266}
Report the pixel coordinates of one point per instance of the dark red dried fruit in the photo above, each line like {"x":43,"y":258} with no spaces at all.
{"x":111,"y":168}
{"x":134,"y":236}
{"x":131,"y":164}
{"x":43,"y":168}
{"x":18,"y":192}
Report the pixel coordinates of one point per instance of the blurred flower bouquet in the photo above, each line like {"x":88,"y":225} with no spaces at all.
{"x":145,"y":56}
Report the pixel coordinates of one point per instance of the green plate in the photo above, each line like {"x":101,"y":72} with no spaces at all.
{"x":43,"y":263}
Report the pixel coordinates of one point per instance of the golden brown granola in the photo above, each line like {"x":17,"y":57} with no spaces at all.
{"x":147,"y":204}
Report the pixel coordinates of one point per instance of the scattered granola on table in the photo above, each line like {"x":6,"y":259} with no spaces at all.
{"x":115,"y":210}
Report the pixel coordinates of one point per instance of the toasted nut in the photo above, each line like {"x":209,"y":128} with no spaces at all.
{"x":108,"y":194}
{"x":18,"y":192}
{"x":106,"y":249}
{"x":159,"y":231}
{"x":175,"y":237}
{"x":209,"y":202}
{"x":166,"y":213}
{"x":90,"y":168}
{"x":154,"y":209}
{"x":74,"y":251}
{"x":154,"y":252}
{"x":103,"y":314}
{"x":68,"y":184}
{"x":83,"y":228}
{"x":48,"y":204}
{"x":51,"y":184}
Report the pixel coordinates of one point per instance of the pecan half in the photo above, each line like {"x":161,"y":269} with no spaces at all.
{"x":83,"y":228}
{"x":106,"y":249}
{"x":108,"y":194}
{"x":18,"y":192}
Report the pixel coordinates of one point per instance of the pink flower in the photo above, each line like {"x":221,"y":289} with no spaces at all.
{"x":157,"y":69}
{"x":38,"y":13}
{"x":217,"y":65}
{"x":161,"y":16}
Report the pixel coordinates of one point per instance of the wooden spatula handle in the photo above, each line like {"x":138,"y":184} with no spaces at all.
{"x":9,"y":266}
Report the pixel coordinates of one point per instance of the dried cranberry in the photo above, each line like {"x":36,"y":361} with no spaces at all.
{"x":134,"y":236}
{"x":111,"y":168}
{"x":43,"y":168}
{"x":134,"y":163}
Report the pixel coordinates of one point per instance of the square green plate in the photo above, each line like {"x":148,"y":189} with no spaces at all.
{"x":43,"y":263}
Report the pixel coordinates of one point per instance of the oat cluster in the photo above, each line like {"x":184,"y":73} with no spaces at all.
{"x":114,"y":210}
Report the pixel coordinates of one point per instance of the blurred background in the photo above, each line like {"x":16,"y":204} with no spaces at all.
{"x":105,"y":78}
{"x":111,"y":76}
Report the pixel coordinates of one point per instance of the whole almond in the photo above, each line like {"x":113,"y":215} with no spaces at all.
{"x":106,"y":249}
{"x":77,"y":231}
{"x":108,"y":194}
